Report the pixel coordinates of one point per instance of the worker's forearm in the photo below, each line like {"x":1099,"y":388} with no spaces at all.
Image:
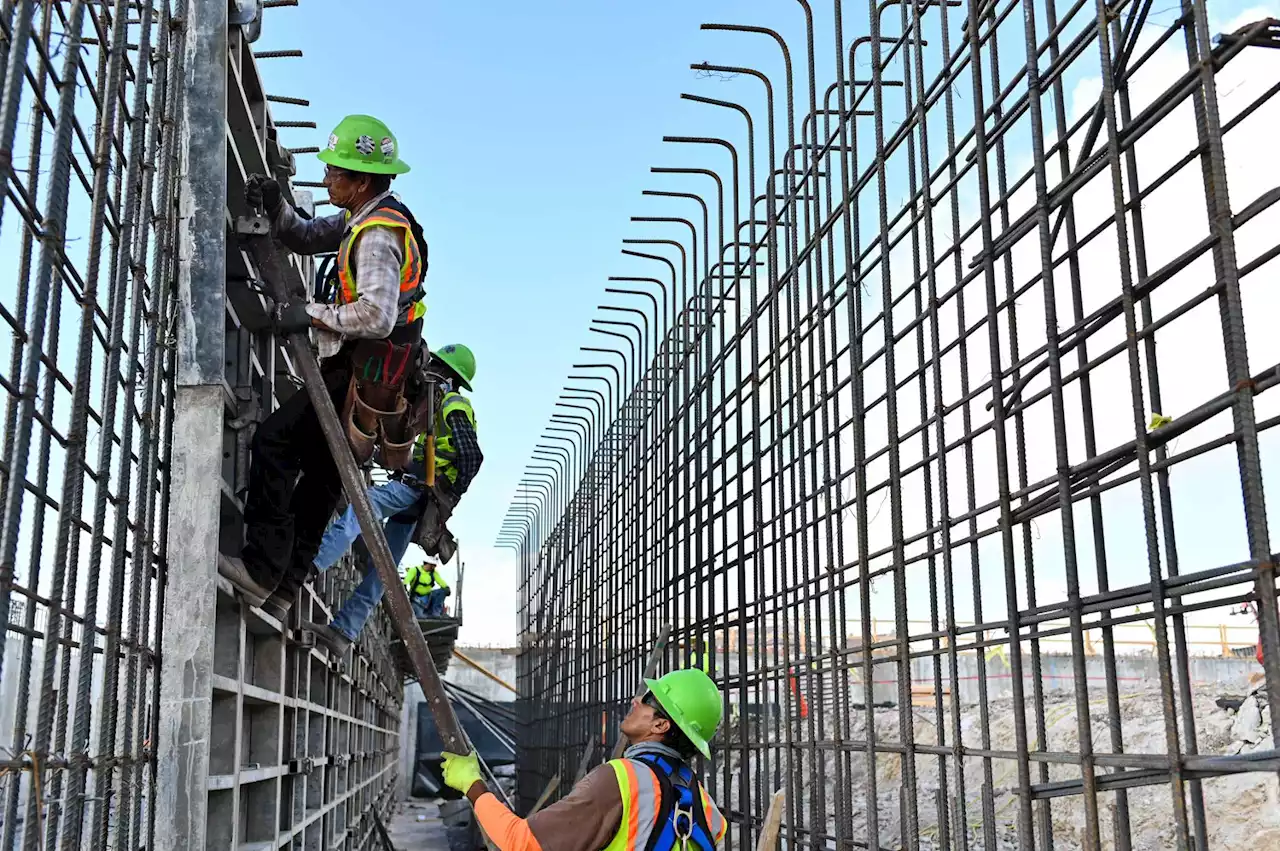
{"x":359,"y":319}
{"x":469,"y":457}
{"x":504,"y":828}
{"x":312,"y":236}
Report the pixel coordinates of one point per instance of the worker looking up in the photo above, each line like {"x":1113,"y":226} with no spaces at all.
{"x":427,"y":590}
{"x":381,"y":266}
{"x":406,"y":499}
{"x":649,"y":799}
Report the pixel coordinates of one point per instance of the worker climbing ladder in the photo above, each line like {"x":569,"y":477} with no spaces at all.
{"x":417,"y":650}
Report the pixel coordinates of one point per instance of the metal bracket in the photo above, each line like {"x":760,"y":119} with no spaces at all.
{"x":253,"y":225}
{"x":248,"y":409}
{"x":281,"y":160}
{"x":302,"y":766}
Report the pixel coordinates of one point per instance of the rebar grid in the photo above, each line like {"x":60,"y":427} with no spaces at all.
{"x":948,"y":378}
{"x":96,"y":147}
{"x":89,"y":214}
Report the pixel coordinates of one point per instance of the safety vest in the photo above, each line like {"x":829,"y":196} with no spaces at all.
{"x":446,"y":452}
{"x":391,"y":213}
{"x":642,"y":805}
{"x":420,"y":581}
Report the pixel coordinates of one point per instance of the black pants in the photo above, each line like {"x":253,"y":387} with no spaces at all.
{"x":293,"y":486}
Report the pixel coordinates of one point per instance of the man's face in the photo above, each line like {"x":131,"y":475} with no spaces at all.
{"x":646,"y":721}
{"x":345,"y":187}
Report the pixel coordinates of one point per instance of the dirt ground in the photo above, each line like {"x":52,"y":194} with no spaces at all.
{"x":1241,"y":811}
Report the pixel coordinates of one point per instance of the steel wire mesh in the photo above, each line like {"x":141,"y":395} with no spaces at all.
{"x":90,"y":94}
{"x":957,"y":346}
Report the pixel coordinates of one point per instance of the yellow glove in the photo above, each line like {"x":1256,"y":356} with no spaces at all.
{"x":461,"y":772}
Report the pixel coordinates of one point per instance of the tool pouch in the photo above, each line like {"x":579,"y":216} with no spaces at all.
{"x":378,"y":412}
{"x":437,"y":541}
{"x":362,"y":442}
{"x":397,"y":443}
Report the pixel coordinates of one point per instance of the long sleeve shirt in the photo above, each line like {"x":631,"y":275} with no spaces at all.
{"x":377,"y":256}
{"x":584,"y":820}
{"x":467,"y":445}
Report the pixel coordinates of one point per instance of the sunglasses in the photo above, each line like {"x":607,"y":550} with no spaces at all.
{"x":651,"y":701}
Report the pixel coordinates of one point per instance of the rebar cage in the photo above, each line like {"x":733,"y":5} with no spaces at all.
{"x":143,"y":704}
{"x":969,"y":384}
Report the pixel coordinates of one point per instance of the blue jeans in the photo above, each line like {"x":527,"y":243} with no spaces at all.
{"x":388,"y":500}
{"x":355,"y":612}
{"x":431,"y":604}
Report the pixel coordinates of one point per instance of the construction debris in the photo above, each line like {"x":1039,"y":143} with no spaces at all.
{"x":1251,"y":730}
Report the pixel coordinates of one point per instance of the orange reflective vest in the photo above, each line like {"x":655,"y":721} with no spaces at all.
{"x":641,"y":802}
{"x":391,"y":213}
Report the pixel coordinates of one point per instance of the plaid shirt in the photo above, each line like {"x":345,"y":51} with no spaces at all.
{"x":467,"y":446}
{"x":378,"y":255}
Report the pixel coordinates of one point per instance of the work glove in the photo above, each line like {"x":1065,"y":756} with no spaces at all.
{"x":290,"y":318}
{"x":262,"y":192}
{"x":461,"y":772}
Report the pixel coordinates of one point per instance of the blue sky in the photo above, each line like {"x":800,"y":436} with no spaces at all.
{"x":531,"y":129}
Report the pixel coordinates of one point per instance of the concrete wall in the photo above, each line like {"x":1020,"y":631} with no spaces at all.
{"x":264,"y":741}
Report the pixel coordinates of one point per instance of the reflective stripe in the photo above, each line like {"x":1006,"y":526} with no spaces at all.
{"x":714,"y":818}
{"x":650,"y":796}
{"x":633,"y":793}
{"x":455,"y":401}
{"x":411,"y":306}
{"x":641,"y":795}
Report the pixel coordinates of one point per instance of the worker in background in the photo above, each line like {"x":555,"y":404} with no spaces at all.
{"x":381,"y":267}
{"x":427,"y":589}
{"x":648,"y":800}
{"x":406,"y":499}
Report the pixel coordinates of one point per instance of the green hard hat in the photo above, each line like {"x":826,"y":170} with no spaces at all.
{"x":363,"y":143}
{"x":460,"y":359}
{"x":693,"y":702}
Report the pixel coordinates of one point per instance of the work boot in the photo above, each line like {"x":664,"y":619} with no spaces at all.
{"x":282,"y":599}
{"x":330,"y":638}
{"x":238,"y":574}
{"x":278,"y":604}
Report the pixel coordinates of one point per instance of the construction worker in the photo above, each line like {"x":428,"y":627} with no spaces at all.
{"x":649,"y":799}
{"x":406,"y":499}
{"x":427,"y":590}
{"x":381,"y":267}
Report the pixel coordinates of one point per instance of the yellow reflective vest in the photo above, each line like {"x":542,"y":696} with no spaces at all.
{"x":422,"y":580}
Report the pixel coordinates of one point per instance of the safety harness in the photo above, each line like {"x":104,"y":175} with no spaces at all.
{"x":682,"y":821}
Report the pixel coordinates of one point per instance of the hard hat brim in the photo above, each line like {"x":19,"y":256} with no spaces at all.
{"x":332,"y":158}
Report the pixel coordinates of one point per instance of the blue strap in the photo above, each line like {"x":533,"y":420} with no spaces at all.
{"x":684,"y":810}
